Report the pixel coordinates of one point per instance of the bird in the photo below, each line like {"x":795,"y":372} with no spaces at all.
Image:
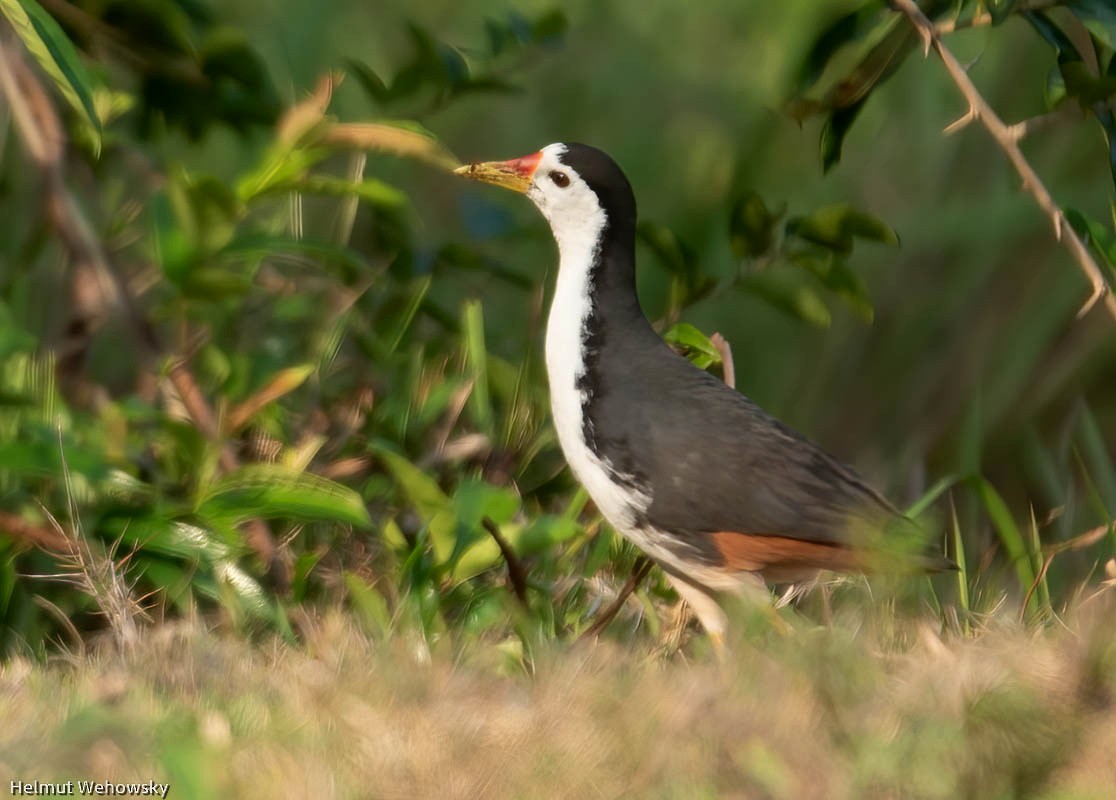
{"x":721,"y":495}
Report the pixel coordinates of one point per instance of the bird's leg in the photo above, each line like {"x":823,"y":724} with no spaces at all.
{"x":709,"y":613}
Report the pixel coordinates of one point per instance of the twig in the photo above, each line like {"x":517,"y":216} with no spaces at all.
{"x":41,"y":132}
{"x":517,"y":576}
{"x":1008,"y":142}
{"x":728,"y":371}
{"x":985,"y":18}
{"x":639,"y":572}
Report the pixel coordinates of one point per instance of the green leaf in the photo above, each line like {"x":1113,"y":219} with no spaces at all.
{"x":213,"y":283}
{"x":845,"y":96}
{"x":374,"y":192}
{"x":371,"y":609}
{"x":751,"y":226}
{"x":833,"y":133}
{"x":793,"y":298}
{"x":55,"y":53}
{"x":835,"y":275}
{"x":543,"y":534}
{"x":472,"y":502}
{"x":699,"y":349}
{"x":835,"y":227}
{"x":476,"y":364}
{"x":1054,"y":89}
{"x":432,"y":505}
{"x":1015,"y":546}
{"x":1048,"y":30}
{"x":256,"y":247}
{"x":1101,"y":240}
{"x":550,"y":26}
{"x":373,"y":86}
{"x":1000,"y":10}
{"x":846,"y":30}
{"x":1099,"y":16}
{"x":671,"y":251}
{"x":269,"y":490}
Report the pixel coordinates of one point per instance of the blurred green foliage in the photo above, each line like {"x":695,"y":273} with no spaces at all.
{"x":263,"y":351}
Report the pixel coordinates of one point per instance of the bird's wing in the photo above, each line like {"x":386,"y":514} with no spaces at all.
{"x":740,"y":485}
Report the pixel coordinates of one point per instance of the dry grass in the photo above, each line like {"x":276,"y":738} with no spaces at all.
{"x":821,"y":713}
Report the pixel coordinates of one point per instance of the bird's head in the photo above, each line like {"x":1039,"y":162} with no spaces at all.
{"x":578,"y":188}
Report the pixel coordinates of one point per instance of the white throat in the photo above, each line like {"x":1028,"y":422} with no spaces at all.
{"x":578,"y":245}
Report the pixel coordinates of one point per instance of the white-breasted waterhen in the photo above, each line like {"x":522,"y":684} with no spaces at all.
{"x":719,"y":493}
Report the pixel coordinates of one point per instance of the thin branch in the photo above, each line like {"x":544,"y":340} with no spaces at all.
{"x":639,"y":572}
{"x":1008,"y":142}
{"x":517,"y":576}
{"x":985,"y":18}
{"x":41,"y":132}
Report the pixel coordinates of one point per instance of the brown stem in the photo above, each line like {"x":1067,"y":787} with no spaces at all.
{"x":1009,"y":143}
{"x":642,"y":566}
{"x":728,"y":371}
{"x":517,"y":575}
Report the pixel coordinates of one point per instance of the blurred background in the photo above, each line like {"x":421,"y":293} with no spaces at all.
{"x":370,"y":326}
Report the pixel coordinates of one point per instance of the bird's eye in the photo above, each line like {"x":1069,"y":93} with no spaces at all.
{"x":561,"y":179}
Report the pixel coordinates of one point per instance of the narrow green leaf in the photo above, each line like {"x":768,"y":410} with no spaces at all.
{"x":1095,"y":454}
{"x":434,"y":508}
{"x":852,"y":27}
{"x":476,"y":364}
{"x":56,"y":54}
{"x":834,"y":131}
{"x":371,"y":609}
{"x":374,"y":192}
{"x":269,"y":490}
{"x":373,"y":86}
{"x":1099,"y":16}
{"x":1016,"y":548}
{"x":256,"y":247}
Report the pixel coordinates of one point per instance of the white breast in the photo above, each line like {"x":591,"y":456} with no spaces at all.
{"x":565,"y":363}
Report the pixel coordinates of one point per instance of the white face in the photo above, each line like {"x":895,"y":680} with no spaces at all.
{"x":569,"y":205}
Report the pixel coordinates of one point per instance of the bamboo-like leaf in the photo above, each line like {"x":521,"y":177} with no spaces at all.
{"x":56,"y":54}
{"x":432,"y":505}
{"x":476,"y":362}
{"x":281,"y":383}
{"x":269,"y":490}
{"x":303,"y":116}
{"x":371,"y":608}
{"x":256,"y":247}
{"x":1018,"y":553}
{"x":398,"y":139}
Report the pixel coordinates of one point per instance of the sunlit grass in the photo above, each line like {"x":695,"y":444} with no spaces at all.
{"x":884,"y":711}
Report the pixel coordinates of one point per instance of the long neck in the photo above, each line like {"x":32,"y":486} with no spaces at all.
{"x":594,"y":302}
{"x":596,"y":275}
